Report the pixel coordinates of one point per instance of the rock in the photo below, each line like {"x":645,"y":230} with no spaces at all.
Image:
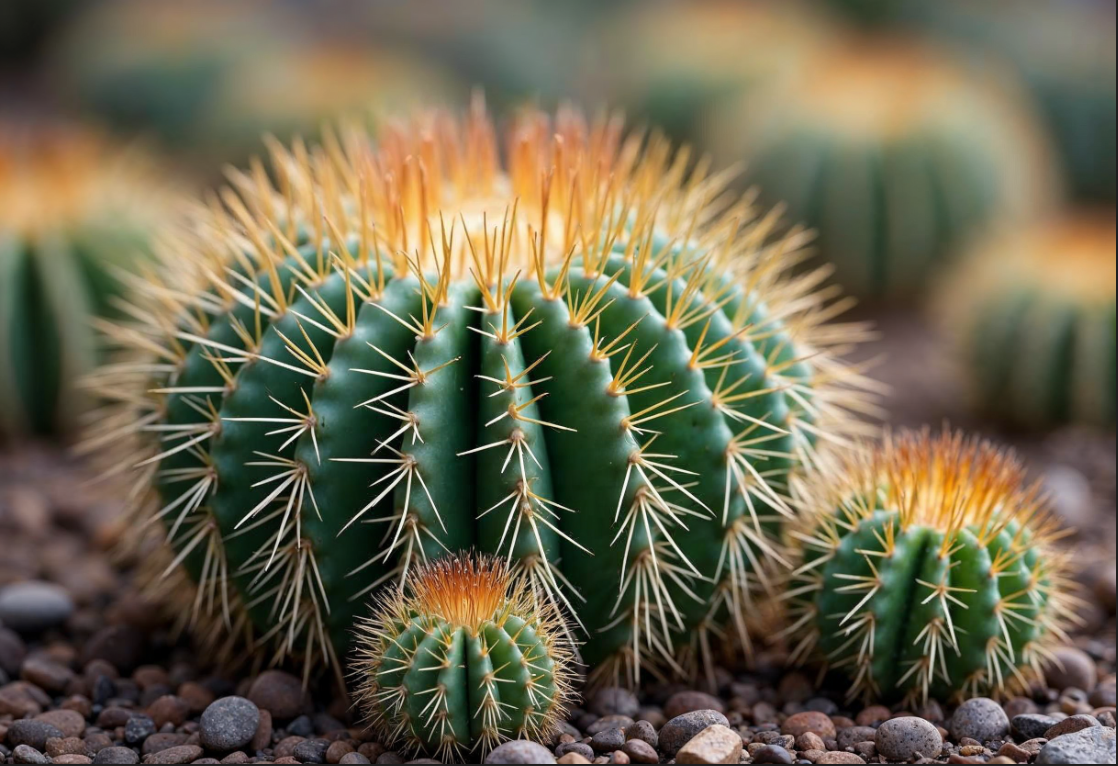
{"x":1071,"y":669}
{"x":28,"y":754}
{"x":1092,"y":745}
{"x":852,"y":735}
{"x":817,"y":723}
{"x":904,"y":739}
{"x":169,"y":709}
{"x":70,"y":722}
{"x":33,"y":606}
{"x":809,"y":740}
{"x":32,"y":733}
{"x":281,"y":694}
{"x":229,"y":724}
{"x":263,"y":736}
{"x":72,"y":758}
{"x":640,"y":751}
{"x":1019,"y":706}
{"x":678,"y":731}
{"x":65,"y":746}
{"x":520,"y":751}
{"x":838,"y":756}
{"x":772,"y":754}
{"x":1103,"y":694}
{"x":47,"y":674}
{"x":573,"y":758}
{"x":609,"y":722}
{"x":180,"y":754}
{"x":1032,"y":725}
{"x":981,"y":719}
{"x":198,"y":697}
{"x":1070,"y":725}
{"x":122,"y":755}
{"x":311,"y":751}
{"x":138,"y":728}
{"x":121,"y":646}
{"x":873,"y":715}
{"x":614,"y":700}
{"x":581,"y":748}
{"x":714,"y":744}
{"x":643,"y":731}
{"x":1015,"y":753}
{"x":157,"y":742}
{"x":608,"y":740}
{"x":12,"y":652}
{"x":353,"y":758}
{"x":688,"y":701}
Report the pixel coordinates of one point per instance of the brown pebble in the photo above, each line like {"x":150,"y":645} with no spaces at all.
{"x":236,"y":756}
{"x":263,"y":736}
{"x":689,"y":701}
{"x":196,"y":696}
{"x":73,"y":758}
{"x":147,"y":676}
{"x":336,"y":750}
{"x":71,"y":724}
{"x":286,"y":746}
{"x":168,"y":709}
{"x":795,"y":687}
{"x":1001,"y":759}
{"x":572,"y":758}
{"x":969,"y":750}
{"x":619,"y":756}
{"x":371,"y":750}
{"x":96,"y":742}
{"x":180,"y":754}
{"x":48,"y":674}
{"x":809,"y":740}
{"x":57,"y":746}
{"x":164,"y":741}
{"x":640,"y":751}
{"x":281,"y":694}
{"x":808,"y":721}
{"x":79,"y":704}
{"x":873,"y":715}
{"x":1071,"y":668}
{"x":714,"y":744}
{"x":839,"y":756}
{"x":1015,"y":753}
{"x":1070,"y":725}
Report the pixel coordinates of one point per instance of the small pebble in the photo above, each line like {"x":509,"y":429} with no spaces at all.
{"x":281,"y":694}
{"x":520,"y":751}
{"x":981,"y":719}
{"x":32,"y":733}
{"x":1032,"y":725}
{"x":28,"y":754}
{"x":800,"y":723}
{"x":138,"y":728}
{"x":311,"y":751}
{"x":1092,"y":745}
{"x":772,"y":754}
{"x":640,"y":751}
{"x":643,"y":731}
{"x":689,"y":701}
{"x":838,"y":756}
{"x":852,"y":735}
{"x":47,"y":674}
{"x":122,"y":755}
{"x":608,"y":740}
{"x":12,"y":652}
{"x":71,"y":723}
{"x":229,"y":724}
{"x":906,"y":738}
{"x":168,"y":709}
{"x":614,"y":700}
{"x":679,"y":730}
{"x":32,"y":606}
{"x":1071,"y":668}
{"x":714,"y":744}
{"x":1070,"y":725}
{"x":353,"y":758}
{"x":581,"y":748}
{"x":180,"y":754}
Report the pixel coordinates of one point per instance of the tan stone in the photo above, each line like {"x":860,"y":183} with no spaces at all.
{"x":714,"y":744}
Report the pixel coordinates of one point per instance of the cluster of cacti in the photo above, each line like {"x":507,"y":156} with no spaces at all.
{"x":461,"y":659}
{"x":72,"y":212}
{"x":925,"y":567}
{"x":1032,"y":316}
{"x":893,"y":154}
{"x":673,"y":63}
{"x":587,"y":359}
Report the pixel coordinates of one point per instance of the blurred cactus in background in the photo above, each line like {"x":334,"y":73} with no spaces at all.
{"x":893,"y":154}
{"x":1032,"y":313}
{"x":73,"y":211}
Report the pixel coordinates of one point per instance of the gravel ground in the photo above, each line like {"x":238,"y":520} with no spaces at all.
{"x":86,"y":675}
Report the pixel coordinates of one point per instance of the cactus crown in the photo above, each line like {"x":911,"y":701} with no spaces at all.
{"x":461,"y":658}
{"x":926,"y":566}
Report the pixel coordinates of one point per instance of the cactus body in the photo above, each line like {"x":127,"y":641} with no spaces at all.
{"x":925,"y":569}
{"x":461,"y":659}
{"x":893,"y":154}
{"x":68,"y":218}
{"x":574,"y":363}
{"x":1032,"y":315}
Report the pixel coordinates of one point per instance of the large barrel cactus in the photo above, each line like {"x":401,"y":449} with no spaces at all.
{"x":893,"y":154}
{"x":583,"y":357}
{"x":925,"y":567}
{"x":73,"y":211}
{"x":1031,"y":314}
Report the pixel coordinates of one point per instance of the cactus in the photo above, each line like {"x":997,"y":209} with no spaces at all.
{"x":1032,"y":317}
{"x":925,"y":567}
{"x":72,"y":210}
{"x":893,"y":154}
{"x":589,"y":361}
{"x":462,"y":659}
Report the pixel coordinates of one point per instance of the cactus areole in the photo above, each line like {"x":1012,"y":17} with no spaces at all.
{"x":577,"y":353}
{"x":926,"y":568}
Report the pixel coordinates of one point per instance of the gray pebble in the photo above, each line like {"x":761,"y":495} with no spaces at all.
{"x":311,"y":751}
{"x":354,"y":757}
{"x":25,"y":754}
{"x":614,"y":700}
{"x":581,"y":748}
{"x":772,"y":754}
{"x":520,"y":751}
{"x":138,"y":728}
{"x":852,"y":735}
{"x":678,"y":732}
{"x":1032,"y":725}
{"x":902,"y":739}
{"x":1093,"y":745}
{"x":229,"y":724}
{"x":12,"y":652}
{"x":643,"y":731}
{"x":608,"y":740}
{"x":122,"y":755}
{"x":981,"y":719}
{"x":33,"y":606}
{"x":32,"y":733}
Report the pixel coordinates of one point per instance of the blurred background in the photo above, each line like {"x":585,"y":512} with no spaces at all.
{"x":955,"y":158}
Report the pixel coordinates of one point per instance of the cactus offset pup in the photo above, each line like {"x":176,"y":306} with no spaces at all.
{"x":586,"y":359}
{"x":926,"y":568}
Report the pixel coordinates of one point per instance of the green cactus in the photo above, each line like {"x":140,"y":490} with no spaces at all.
{"x":1032,"y":317}
{"x":72,"y":211}
{"x":461,"y":659}
{"x":925,"y":568}
{"x":893,"y":154}
{"x":582,"y":363}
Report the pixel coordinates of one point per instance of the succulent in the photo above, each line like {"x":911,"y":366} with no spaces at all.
{"x":72,"y":211}
{"x":586,"y":359}
{"x":925,"y":566}
{"x":893,"y":154}
{"x":461,"y":659}
{"x":1032,"y":316}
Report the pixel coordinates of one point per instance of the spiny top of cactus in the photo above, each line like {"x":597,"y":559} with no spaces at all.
{"x":927,"y":565}
{"x":463,"y":591}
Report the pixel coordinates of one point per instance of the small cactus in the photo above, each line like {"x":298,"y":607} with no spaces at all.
{"x":462,"y":658}
{"x":894,"y":154}
{"x":926,"y":567}
{"x":1032,"y":314}
{"x":73,"y":211}
{"x":579,"y":361}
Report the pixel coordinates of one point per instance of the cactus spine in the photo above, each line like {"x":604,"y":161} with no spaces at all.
{"x":461,"y":659}
{"x":588,"y":361}
{"x":925,"y":567}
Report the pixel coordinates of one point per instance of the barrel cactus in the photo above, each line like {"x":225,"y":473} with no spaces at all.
{"x":893,"y":154}
{"x":73,"y":210}
{"x":925,"y":566}
{"x":585,"y":359}
{"x":1032,"y":317}
{"x":461,"y":659}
